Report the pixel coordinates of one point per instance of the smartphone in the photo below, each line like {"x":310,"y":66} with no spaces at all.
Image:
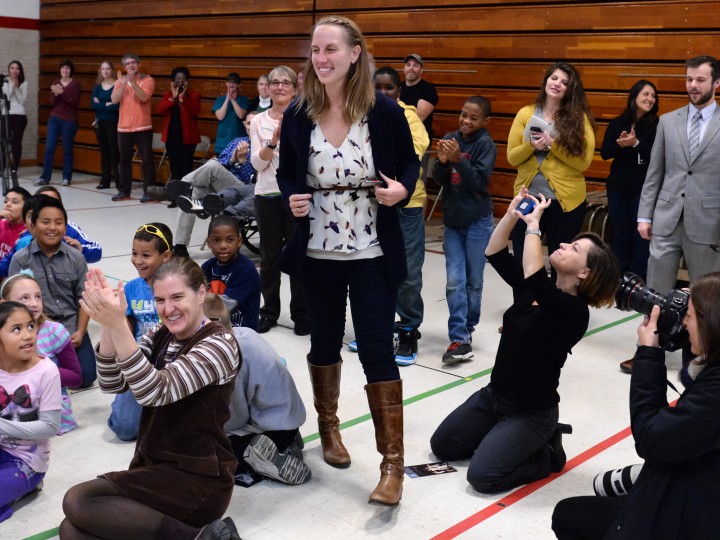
{"x":526,"y":206}
{"x":535,"y":129}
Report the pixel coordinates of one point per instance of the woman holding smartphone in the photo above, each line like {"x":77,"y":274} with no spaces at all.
{"x":552,"y":157}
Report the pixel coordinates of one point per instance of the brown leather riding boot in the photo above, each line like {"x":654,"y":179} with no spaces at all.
{"x":385,"y":400}
{"x":326,"y":391}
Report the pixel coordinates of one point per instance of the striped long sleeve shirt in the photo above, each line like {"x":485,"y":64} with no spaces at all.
{"x":213,"y":361}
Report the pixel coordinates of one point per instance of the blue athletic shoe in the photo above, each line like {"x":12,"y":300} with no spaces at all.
{"x":406,"y":350}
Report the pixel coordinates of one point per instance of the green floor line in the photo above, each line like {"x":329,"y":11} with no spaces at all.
{"x":469,"y":378}
{"x":414,"y":399}
{"x":52,"y":533}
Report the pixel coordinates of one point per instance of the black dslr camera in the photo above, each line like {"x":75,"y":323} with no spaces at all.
{"x":634,"y":295}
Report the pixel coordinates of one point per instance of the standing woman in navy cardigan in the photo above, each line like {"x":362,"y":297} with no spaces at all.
{"x":180,"y":105}
{"x":347,"y":160}
{"x":106,"y":121}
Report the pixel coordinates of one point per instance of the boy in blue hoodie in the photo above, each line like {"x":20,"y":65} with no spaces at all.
{"x":465,"y":159}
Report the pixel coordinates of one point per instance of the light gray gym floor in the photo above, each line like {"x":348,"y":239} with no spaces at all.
{"x":333,"y":505}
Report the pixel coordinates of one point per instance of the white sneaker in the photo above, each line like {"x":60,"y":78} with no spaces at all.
{"x":263,"y":456}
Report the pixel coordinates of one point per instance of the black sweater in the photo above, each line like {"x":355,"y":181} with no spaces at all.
{"x":626,"y":174}
{"x":536,"y":339}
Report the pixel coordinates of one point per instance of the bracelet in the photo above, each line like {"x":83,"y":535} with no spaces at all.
{"x":533,"y":231}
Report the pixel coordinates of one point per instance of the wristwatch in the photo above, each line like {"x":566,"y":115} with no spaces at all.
{"x":270,"y":146}
{"x":533,"y":231}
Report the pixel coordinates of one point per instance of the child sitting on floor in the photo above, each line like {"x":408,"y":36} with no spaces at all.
{"x":29,"y":407}
{"x":266,"y":410}
{"x":53,"y":340}
{"x":231,"y":274}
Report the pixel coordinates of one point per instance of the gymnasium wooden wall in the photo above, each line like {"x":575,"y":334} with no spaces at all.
{"x":497,"y":48}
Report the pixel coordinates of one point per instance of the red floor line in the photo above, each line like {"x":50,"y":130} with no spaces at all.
{"x":519,"y":494}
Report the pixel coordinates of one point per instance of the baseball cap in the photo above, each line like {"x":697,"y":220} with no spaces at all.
{"x":233,"y":77}
{"x":415,"y":57}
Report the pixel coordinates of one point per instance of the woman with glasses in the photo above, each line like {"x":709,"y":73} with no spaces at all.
{"x":348,"y":160}
{"x":275,"y":223}
{"x":180,"y":480}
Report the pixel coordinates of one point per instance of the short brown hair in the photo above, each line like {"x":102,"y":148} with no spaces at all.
{"x":600,"y":285}
{"x":186,"y":268}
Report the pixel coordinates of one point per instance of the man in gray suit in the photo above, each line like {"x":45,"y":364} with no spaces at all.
{"x":680,"y":202}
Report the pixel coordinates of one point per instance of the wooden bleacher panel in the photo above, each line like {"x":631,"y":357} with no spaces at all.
{"x":496,"y":48}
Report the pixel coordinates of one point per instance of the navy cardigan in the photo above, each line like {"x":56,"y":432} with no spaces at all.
{"x":393,"y":154}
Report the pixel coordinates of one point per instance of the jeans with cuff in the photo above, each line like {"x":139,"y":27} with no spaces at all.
{"x":57,"y":128}
{"x":465,"y":265}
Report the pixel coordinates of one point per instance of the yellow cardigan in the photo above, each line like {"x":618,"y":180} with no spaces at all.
{"x":564,"y":173}
{"x":421,"y":141}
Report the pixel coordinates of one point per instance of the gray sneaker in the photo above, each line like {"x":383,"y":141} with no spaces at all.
{"x":457,"y":352}
{"x":263,"y":456}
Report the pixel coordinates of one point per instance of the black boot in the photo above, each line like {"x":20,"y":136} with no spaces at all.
{"x":557,"y":452}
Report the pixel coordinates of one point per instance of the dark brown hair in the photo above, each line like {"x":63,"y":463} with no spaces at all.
{"x":574,"y":108}
{"x":603,"y":279}
{"x":705,"y":296}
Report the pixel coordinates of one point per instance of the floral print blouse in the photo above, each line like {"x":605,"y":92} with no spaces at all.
{"x":343,"y":213}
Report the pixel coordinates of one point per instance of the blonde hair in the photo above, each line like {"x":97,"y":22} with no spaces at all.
{"x":359,"y":88}
{"x":100,"y":78}
{"x":10,"y":283}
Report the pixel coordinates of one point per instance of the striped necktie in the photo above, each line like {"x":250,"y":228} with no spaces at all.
{"x":694,"y":135}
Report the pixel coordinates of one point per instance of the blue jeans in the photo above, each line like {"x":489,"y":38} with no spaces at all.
{"x":464,"y":265}
{"x":506,"y":446}
{"x":86,"y":356}
{"x":57,"y":128}
{"x":630,"y":249}
{"x":409,"y":305}
{"x":124,"y":418}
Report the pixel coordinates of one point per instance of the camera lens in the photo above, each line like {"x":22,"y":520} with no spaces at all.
{"x":616,"y":483}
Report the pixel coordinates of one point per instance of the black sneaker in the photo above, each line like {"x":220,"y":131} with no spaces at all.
{"x":121,"y":197}
{"x":407,"y":347}
{"x":147,"y":199}
{"x":176,"y":188}
{"x":213,"y":203}
{"x":302,"y":327}
{"x":457,"y":352}
{"x":263,"y":456}
{"x":180,"y":250}
{"x":265,"y":324}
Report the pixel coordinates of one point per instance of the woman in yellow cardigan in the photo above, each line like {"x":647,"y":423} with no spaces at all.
{"x":551,"y":143}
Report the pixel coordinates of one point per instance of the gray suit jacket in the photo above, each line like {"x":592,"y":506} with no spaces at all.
{"x":676,"y":188}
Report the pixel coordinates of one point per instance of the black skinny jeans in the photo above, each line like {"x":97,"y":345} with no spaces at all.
{"x":181,"y":159}
{"x":107,"y":137}
{"x":276,"y":225}
{"x":328,"y":284}
{"x":18,"y":123}
{"x":126,"y":144}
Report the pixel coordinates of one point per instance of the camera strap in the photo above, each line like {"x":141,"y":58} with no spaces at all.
{"x":671,"y":385}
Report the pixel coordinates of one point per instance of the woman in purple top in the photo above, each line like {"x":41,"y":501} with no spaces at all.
{"x":62,"y":123}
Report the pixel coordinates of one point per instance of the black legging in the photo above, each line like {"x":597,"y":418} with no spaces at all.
{"x":586,"y":518}
{"x":97,"y":509}
{"x":18,"y":123}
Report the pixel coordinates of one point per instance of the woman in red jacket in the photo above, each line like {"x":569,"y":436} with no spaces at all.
{"x":180,"y":106}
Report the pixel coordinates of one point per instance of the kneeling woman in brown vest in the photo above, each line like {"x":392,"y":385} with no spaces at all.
{"x":183,"y":376}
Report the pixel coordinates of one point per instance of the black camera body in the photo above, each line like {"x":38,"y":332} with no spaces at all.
{"x":634,"y":295}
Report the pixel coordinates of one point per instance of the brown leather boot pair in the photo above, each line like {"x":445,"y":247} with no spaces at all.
{"x":385,"y":400}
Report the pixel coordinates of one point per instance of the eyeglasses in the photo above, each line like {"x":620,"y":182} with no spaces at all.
{"x":285,"y":84}
{"x":152,"y":229}
{"x":130,"y":62}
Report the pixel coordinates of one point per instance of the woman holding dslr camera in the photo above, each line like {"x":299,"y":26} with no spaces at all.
{"x":676,"y":494}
